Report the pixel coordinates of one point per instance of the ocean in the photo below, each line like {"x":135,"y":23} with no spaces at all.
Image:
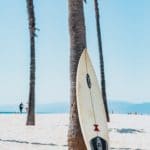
{"x":63,"y":107}
{"x":39,"y":108}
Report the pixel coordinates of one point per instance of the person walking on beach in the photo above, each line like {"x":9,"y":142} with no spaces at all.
{"x":21,"y":107}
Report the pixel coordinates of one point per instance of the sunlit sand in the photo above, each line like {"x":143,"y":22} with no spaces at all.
{"x":130,"y":132}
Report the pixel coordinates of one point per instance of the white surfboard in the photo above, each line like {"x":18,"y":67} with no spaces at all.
{"x":90,"y":105}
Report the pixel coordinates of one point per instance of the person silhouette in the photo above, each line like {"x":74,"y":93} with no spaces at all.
{"x":21,"y":107}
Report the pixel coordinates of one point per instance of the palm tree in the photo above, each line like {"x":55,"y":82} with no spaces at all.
{"x":31,"y":107}
{"x":101,"y":58}
{"x":77,"y":44}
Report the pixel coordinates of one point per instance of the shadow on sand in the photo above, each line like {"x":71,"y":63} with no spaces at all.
{"x":125,"y":149}
{"x":127,"y":130}
{"x":26,"y":142}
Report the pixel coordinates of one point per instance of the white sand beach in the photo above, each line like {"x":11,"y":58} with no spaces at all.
{"x":127,"y":132}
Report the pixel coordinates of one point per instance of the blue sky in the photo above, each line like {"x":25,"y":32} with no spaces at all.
{"x":126,"y":43}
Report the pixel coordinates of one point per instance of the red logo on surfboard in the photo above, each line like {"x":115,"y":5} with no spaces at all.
{"x":96,"y":128}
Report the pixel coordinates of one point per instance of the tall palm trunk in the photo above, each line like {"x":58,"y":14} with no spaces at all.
{"x":101,"y":58}
{"x":31,"y":107}
{"x":77,"y":44}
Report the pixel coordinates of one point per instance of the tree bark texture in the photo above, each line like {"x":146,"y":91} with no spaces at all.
{"x":77,"y":44}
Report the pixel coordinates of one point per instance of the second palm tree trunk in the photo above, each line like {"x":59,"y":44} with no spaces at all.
{"x":103,"y":86}
{"x":31,"y":105}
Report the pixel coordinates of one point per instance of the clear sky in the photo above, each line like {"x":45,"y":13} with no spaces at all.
{"x":125,"y":27}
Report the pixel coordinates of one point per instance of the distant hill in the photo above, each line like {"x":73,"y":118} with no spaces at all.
{"x":126,"y":107}
{"x":59,"y":107}
{"x":63,"y":107}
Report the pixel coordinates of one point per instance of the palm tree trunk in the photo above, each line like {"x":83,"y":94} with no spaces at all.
{"x":101,"y":59}
{"x":31,"y":107}
{"x":77,"y":44}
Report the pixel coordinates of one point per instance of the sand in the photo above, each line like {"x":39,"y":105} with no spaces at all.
{"x":126,"y":132}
